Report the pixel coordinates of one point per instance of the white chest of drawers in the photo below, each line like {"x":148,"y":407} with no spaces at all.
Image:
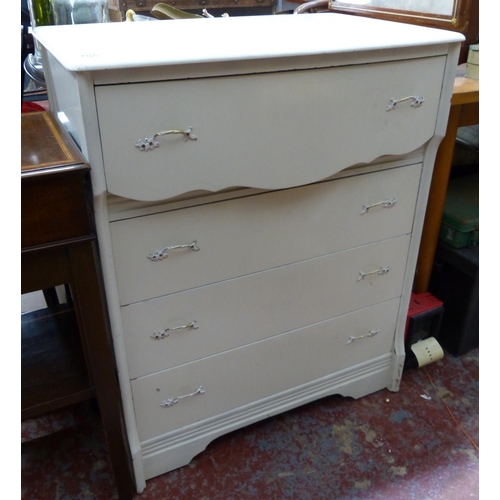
{"x":259,"y":186}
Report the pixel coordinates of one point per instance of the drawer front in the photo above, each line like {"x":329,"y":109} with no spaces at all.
{"x":160,"y":333}
{"x":253,"y":372}
{"x":255,"y":233}
{"x":270,"y":131}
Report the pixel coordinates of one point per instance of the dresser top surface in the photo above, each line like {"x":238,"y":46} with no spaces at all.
{"x":162,"y":43}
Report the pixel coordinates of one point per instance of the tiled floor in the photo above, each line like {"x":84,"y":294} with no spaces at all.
{"x":420,"y":443}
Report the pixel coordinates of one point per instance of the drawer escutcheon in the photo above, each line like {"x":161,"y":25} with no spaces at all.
{"x":174,"y":401}
{"x":371,"y":333}
{"x":417,"y":100}
{"x":385,"y":204}
{"x":163,"y":253}
{"x":150,"y":143}
{"x":165,"y":333}
{"x":382,"y":270}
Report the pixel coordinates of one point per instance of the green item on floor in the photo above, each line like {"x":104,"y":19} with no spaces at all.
{"x":460,"y":222}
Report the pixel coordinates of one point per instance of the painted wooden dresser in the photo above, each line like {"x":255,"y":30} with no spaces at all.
{"x":260,"y":185}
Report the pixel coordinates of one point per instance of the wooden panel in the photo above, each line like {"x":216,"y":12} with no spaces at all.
{"x":255,"y":233}
{"x":54,"y":179}
{"x":261,"y":141}
{"x":262,"y":369}
{"x":469,"y":114}
{"x":44,"y":269}
{"x":54,"y":208}
{"x":244,"y":310}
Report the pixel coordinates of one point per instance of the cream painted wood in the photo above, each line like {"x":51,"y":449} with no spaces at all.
{"x":175,"y":449}
{"x":86,"y":47}
{"x":268,"y":115}
{"x":294,"y":117}
{"x":124,"y":208}
{"x":275,"y":301}
{"x":259,"y":232}
{"x":259,"y":370}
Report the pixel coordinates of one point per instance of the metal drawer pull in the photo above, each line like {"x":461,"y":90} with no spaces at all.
{"x":165,"y":333}
{"x":386,"y":204}
{"x":163,"y":253}
{"x":371,"y":333}
{"x":381,"y":270}
{"x":174,"y":401}
{"x":150,"y":142}
{"x":417,"y":101}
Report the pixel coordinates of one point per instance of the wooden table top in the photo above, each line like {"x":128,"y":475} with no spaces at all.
{"x":465,"y":90}
{"x":45,"y":146}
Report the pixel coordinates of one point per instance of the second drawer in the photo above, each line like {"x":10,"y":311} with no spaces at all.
{"x":255,"y":233}
{"x":207,"y":320}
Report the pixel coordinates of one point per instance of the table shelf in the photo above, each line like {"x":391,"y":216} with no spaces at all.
{"x":55,"y":371}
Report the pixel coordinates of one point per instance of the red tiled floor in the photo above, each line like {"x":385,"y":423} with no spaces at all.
{"x":384,"y":446}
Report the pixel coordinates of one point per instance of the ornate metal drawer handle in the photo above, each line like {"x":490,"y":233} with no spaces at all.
{"x":165,"y":333}
{"x":371,"y":333}
{"x":417,"y":101}
{"x":163,"y":253}
{"x":150,"y":143}
{"x":174,"y":401}
{"x":381,"y":270}
{"x":386,"y":204}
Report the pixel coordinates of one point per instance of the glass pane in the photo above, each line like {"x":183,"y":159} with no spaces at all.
{"x":437,"y":7}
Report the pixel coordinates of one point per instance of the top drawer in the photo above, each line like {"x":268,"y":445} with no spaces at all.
{"x":269,"y":131}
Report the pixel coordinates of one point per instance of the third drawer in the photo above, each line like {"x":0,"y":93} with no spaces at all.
{"x":169,"y":331}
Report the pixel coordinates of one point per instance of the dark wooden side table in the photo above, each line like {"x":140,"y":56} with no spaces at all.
{"x":67,"y":351}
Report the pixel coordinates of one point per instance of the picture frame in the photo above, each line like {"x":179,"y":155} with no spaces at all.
{"x":444,"y":14}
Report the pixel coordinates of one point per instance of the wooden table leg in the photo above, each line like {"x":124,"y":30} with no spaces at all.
{"x":90,"y":310}
{"x":435,"y":205}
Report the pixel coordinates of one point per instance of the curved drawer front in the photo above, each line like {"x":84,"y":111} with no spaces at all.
{"x":255,"y":233}
{"x":270,"y":131}
{"x":161,"y":333}
{"x":245,"y":375}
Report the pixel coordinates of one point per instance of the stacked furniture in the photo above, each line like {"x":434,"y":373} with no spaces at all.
{"x":259,"y":203}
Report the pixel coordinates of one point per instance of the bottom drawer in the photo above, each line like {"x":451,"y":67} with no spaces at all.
{"x":216,"y":384}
